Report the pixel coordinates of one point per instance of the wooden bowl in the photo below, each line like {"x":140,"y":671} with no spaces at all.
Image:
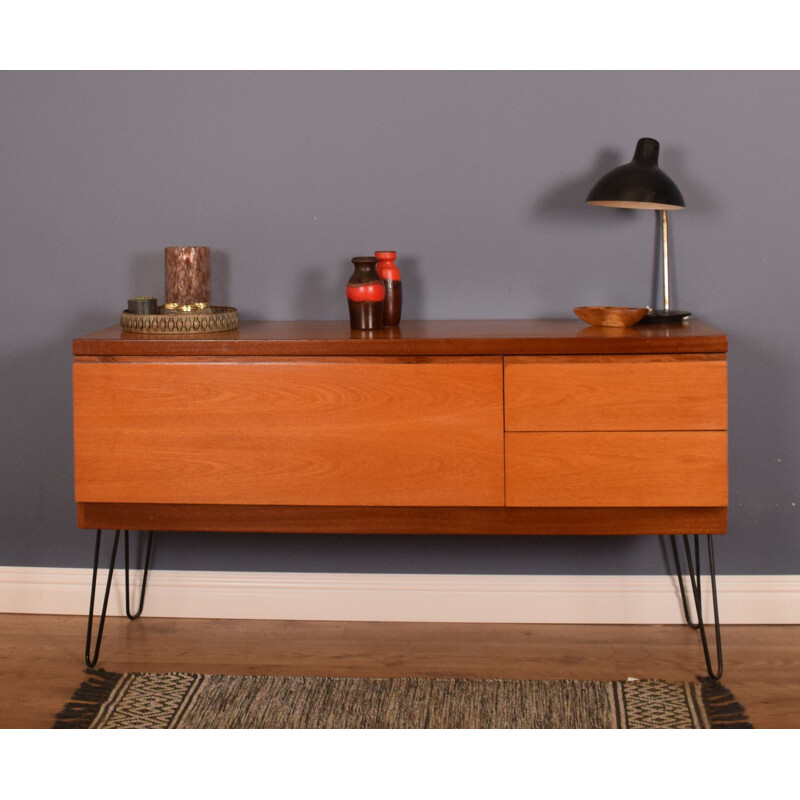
{"x":610,"y":316}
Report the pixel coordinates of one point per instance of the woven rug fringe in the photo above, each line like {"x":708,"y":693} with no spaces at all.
{"x":723,"y":710}
{"x":87,"y":700}
{"x":280,"y":703}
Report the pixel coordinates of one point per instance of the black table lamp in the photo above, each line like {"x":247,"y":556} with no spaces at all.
{"x":641,"y":184}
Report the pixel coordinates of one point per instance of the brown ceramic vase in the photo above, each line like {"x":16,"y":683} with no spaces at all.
{"x":365,"y":295}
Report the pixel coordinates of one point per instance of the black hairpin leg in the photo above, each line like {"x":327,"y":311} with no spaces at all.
{"x":91,"y":658}
{"x":144,"y":578}
{"x":693,"y":568}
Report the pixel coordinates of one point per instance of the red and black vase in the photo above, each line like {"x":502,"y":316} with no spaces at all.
{"x":365,"y":295}
{"x":390,"y":275}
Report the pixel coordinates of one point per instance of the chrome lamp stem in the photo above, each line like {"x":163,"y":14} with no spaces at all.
{"x":665,"y":256}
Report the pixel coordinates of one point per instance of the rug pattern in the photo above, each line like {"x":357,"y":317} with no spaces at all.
{"x":194,"y":701}
{"x":657,"y":704}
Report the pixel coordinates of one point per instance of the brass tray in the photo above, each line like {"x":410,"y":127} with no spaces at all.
{"x":213,"y":320}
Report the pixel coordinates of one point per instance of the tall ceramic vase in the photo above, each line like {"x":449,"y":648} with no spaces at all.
{"x":365,"y":294}
{"x":390,"y":275}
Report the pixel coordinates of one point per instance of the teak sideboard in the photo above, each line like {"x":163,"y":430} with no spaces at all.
{"x":436,"y":427}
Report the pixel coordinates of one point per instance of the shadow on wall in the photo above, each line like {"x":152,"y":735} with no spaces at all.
{"x":36,"y":471}
{"x":764,"y":492}
{"x":147,"y":276}
{"x":414,"y":306}
{"x":413,"y":554}
{"x":566,"y":201}
{"x":220,"y":278}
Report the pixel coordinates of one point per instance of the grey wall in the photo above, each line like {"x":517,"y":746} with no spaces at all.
{"x":477,"y":179}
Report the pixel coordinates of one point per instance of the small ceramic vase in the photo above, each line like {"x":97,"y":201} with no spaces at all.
{"x":390,"y":275}
{"x":365,"y":295}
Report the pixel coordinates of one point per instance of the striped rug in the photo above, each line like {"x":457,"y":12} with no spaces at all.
{"x":185,"y":700}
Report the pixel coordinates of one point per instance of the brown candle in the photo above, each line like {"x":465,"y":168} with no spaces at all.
{"x":187,"y":275}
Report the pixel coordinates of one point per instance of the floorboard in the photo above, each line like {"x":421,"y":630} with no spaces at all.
{"x":41,"y":661}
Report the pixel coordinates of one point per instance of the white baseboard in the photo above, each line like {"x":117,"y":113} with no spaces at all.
{"x":621,"y":599}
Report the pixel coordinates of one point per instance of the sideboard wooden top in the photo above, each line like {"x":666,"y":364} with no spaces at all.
{"x":412,"y":338}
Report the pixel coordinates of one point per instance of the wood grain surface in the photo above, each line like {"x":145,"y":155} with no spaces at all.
{"x":41,"y":661}
{"x":621,"y":468}
{"x":310,"y":432}
{"x":624,"y":394}
{"x":413,"y":337}
{"x":376,"y":520}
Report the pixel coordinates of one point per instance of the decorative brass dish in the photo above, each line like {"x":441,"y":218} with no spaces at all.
{"x":610,"y":316}
{"x":209,"y":320}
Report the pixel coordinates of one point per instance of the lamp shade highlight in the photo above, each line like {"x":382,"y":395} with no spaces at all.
{"x":638,"y":184}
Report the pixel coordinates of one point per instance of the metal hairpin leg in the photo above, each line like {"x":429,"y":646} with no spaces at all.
{"x":144,"y":578}
{"x":91,"y":659}
{"x":693,"y":565}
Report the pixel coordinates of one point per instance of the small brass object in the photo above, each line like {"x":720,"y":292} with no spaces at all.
{"x":213,"y":319}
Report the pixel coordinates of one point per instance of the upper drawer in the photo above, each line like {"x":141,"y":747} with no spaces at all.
{"x":615,"y":393}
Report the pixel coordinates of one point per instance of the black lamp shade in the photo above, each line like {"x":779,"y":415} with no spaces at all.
{"x":638,"y":184}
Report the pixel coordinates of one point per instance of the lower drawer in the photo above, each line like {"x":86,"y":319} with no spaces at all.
{"x":627,"y":468}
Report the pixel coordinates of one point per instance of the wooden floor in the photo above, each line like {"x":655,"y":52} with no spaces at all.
{"x":41,"y":659}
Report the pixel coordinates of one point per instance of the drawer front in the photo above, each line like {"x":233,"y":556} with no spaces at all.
{"x":305,"y":432}
{"x":615,"y":393}
{"x":633,"y":469}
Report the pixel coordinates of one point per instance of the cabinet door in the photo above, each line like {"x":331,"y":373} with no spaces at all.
{"x":365,"y":431}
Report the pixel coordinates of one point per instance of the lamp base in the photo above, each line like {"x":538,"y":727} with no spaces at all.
{"x":664,"y":316}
